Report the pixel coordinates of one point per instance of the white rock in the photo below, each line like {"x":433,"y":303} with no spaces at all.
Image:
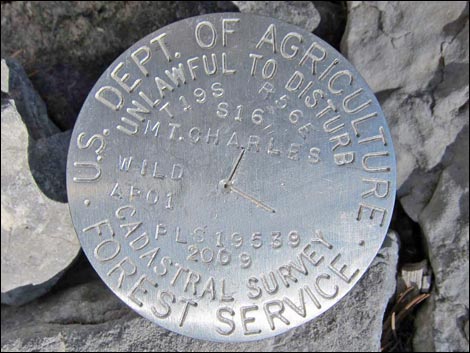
{"x":5,"y":77}
{"x":37,"y":238}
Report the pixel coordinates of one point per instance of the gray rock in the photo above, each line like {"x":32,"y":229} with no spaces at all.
{"x":37,"y":238}
{"x":441,"y":325}
{"x":415,"y":56}
{"x":88,"y":317}
{"x":324,"y":18}
{"x":16,"y":85}
{"x":48,"y":164}
{"x":65,"y":46}
{"x":299,"y":13}
{"x":332,"y":22}
{"x":467,"y":330}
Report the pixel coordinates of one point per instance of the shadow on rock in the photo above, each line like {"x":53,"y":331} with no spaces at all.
{"x":48,"y":163}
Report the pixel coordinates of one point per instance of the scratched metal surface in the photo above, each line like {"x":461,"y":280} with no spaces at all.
{"x":237,"y":203}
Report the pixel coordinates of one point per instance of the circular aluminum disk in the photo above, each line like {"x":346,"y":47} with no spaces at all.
{"x":231,"y":177}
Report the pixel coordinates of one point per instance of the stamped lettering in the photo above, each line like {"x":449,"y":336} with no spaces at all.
{"x":230,"y":177}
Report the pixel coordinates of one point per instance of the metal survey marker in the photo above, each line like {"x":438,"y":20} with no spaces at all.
{"x":231,"y":177}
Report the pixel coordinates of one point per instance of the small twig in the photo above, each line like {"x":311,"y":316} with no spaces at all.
{"x":17,"y":53}
{"x":405,"y":303}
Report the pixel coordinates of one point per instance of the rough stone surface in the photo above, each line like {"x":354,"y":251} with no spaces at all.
{"x":48,"y":164}
{"x":37,"y":238}
{"x":415,"y":56}
{"x":17,"y":86}
{"x":299,"y":13}
{"x":441,"y":324}
{"x":324,"y":18}
{"x":332,"y":22}
{"x":88,"y":317}
{"x":66,"y":46}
